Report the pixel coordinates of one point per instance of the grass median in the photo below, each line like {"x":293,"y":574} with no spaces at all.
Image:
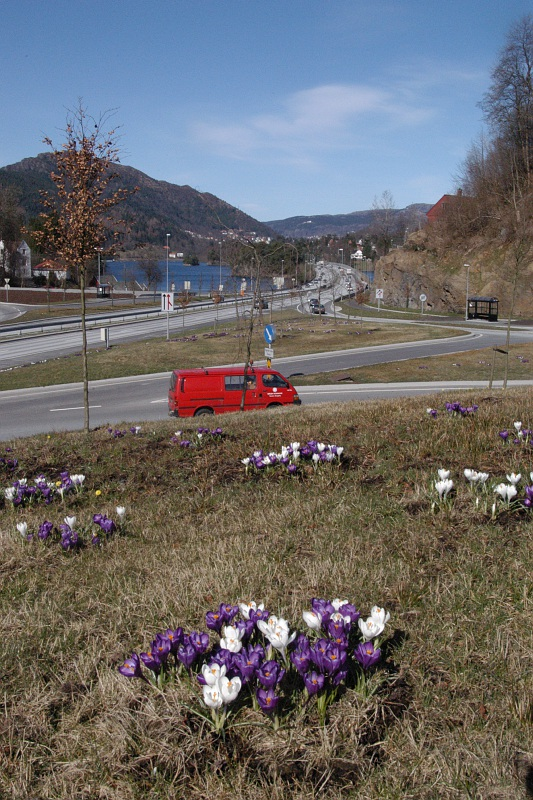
{"x":446,"y":711}
{"x":296,"y":335}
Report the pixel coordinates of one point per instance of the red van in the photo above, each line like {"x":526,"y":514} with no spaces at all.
{"x":217,"y":390}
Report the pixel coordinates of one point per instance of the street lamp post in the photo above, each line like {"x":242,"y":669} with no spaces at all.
{"x":341,"y":251}
{"x":220,"y":267}
{"x":467,"y":277}
{"x":168,"y":311}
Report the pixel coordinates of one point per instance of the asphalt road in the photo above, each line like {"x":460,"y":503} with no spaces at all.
{"x":144,"y":398}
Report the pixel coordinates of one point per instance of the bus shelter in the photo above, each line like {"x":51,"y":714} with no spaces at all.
{"x":483,"y":308}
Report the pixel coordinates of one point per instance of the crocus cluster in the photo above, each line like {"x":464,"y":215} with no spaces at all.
{"x":69,"y":535}
{"x":117,"y":433}
{"x":7,"y":461}
{"x":443,"y":487}
{"x":519,"y":435}
{"x":507,"y":493}
{"x":456,"y":409}
{"x":252,"y":655}
{"x":24,"y":492}
{"x":293,"y":455}
{"x":199,"y":439}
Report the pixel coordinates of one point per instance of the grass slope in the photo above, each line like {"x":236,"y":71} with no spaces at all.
{"x":450,"y":712}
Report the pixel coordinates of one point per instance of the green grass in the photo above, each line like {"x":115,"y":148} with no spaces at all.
{"x":454,"y":717}
{"x":197,"y":348}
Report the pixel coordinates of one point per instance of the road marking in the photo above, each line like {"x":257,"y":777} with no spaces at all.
{"x":158,"y":401}
{"x":72,"y":408}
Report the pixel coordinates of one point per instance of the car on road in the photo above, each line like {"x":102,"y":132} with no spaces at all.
{"x":313,"y":302}
{"x":318,"y":309}
{"x":260,"y":303}
{"x":217,"y":390}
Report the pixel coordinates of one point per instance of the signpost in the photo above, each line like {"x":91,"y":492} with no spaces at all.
{"x":270,"y":337}
{"x":423,"y":299}
{"x":379,"y":297}
{"x":167,"y":304}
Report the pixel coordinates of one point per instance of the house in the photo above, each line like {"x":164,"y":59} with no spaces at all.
{"x":51,"y":270}
{"x":442,"y":205}
{"x":22,"y":266}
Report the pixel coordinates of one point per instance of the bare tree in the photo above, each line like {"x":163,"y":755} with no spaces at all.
{"x":384,"y":222}
{"x":77,"y":219}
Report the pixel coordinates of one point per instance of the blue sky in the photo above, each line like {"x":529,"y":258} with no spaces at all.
{"x":279,"y":107}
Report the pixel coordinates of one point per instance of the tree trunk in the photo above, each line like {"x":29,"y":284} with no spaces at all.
{"x":84,"y":353}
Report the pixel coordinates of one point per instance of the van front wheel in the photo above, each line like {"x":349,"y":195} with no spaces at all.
{"x":202,"y":411}
{"x":274,"y":405}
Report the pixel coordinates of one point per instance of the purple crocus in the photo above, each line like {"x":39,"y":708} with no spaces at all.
{"x":45,"y":529}
{"x":175,"y":637}
{"x":200,"y":641}
{"x":314,"y":682}
{"x":246,"y":663}
{"x":152,"y":661}
{"x":268,"y":700}
{"x":367,"y":654}
{"x":131,"y":667}
{"x":270,"y":674}
{"x":186,"y":653}
{"x":300,"y":660}
{"x":504,"y":435}
{"x":161,"y":646}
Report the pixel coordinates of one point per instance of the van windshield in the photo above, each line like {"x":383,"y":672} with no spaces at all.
{"x":270,"y":380}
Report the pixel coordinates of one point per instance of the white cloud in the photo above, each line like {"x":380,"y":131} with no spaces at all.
{"x":328,"y":117}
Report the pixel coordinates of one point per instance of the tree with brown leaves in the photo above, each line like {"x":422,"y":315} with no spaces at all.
{"x":77,"y":218}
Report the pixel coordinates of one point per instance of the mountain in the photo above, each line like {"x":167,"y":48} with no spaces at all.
{"x":156,"y":209}
{"x":341,"y":224}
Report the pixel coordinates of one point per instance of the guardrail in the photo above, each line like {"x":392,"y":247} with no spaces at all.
{"x":43,"y":327}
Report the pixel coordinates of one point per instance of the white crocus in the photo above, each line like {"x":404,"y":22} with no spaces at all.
{"x":513,"y":478}
{"x":531,"y":477}
{"x":77,"y":479}
{"x":337,"y":603}
{"x":379,"y":615}
{"x":296,"y":446}
{"x":229,"y":689}
{"x":518,"y":426}
{"x":22,"y":528}
{"x":70,"y":521}
{"x":506,"y":491}
{"x":471,"y":475}
{"x":312,"y":619}
{"x":276,"y":630}
{"x":370,"y":628}
{"x":212,"y":696}
{"x":212,"y":673}
{"x":9,"y":493}
{"x":121,"y":512}
{"x":321,"y":447}
{"x":482,"y":477}
{"x":444,"y":474}
{"x":340,"y":451}
{"x":232,"y":639}
{"x":245,"y":608}
{"x":444,"y":487}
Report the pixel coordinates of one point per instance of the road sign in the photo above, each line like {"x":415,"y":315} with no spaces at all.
{"x":269,"y":352}
{"x":270,"y":334}
{"x":167,"y":301}
{"x":423,"y":298}
{"x":379,"y":294}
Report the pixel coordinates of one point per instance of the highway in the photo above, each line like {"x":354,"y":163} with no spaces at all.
{"x":144,"y":398}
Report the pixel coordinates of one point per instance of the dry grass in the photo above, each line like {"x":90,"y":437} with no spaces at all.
{"x":454,"y":717}
{"x":472,"y":365}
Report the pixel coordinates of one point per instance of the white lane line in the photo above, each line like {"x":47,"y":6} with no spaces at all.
{"x":158,"y":401}
{"x":72,"y":408}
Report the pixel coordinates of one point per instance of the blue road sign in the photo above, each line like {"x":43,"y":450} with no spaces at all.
{"x":270,"y":334}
